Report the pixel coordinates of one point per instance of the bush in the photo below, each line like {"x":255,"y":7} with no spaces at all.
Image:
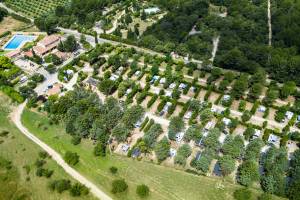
{"x":113,"y":170}
{"x":78,"y":189}
{"x":242,"y":194}
{"x":76,"y":140}
{"x":142,"y":190}
{"x":119,"y":186}
{"x":43,"y":155}
{"x":100,"y":150}
{"x":71,"y":158}
{"x":265,"y":196}
{"x":60,"y":185}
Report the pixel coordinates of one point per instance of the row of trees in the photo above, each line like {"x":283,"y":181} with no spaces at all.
{"x":87,"y":117}
{"x":3,"y":13}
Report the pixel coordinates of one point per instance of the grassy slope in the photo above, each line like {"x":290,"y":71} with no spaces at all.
{"x":164,"y":183}
{"x":21,"y":151}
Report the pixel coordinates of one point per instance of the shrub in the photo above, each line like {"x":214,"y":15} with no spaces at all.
{"x":265,"y":196}
{"x":76,"y":140}
{"x":119,"y":186}
{"x":242,"y":194}
{"x":71,"y":158}
{"x":60,"y":185}
{"x":78,"y":189}
{"x":142,"y":190}
{"x":113,"y":170}
{"x":100,"y":150}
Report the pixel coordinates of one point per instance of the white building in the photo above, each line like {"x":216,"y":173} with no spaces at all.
{"x":274,"y":139}
{"x":188,"y":115}
{"x":179,"y":137}
{"x":226,"y":121}
{"x":153,"y":10}
{"x":289,"y":115}
{"x":173,"y":152}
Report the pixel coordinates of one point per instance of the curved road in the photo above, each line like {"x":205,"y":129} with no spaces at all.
{"x":16,"y":118}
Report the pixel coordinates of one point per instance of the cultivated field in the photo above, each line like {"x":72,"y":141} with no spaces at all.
{"x":34,"y":8}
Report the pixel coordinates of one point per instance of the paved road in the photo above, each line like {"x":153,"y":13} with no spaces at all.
{"x":16,"y":118}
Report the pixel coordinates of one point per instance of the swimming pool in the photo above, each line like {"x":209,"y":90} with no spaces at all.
{"x":17,"y":41}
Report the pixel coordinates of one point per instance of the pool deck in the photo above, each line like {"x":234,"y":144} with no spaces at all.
{"x":21,"y":44}
{"x":37,"y":34}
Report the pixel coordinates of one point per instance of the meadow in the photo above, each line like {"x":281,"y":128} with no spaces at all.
{"x":16,"y":152}
{"x":164,"y":183}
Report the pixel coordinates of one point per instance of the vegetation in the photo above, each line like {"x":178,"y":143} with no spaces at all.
{"x":119,"y":186}
{"x":142,"y":190}
{"x":18,"y":159}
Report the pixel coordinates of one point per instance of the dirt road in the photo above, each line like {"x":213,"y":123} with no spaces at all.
{"x":16,"y":118}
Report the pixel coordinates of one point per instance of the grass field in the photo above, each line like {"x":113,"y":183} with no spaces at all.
{"x":20,"y":151}
{"x":11,"y":24}
{"x":165,"y":183}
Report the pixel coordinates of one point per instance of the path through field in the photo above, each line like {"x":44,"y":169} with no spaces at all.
{"x":16,"y":118}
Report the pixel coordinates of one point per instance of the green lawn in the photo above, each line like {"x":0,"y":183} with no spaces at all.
{"x":21,"y":151}
{"x":165,"y":183}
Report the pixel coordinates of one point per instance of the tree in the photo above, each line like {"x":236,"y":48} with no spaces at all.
{"x":233,"y":146}
{"x":240,"y":86}
{"x":96,"y":37}
{"x":253,"y":149}
{"x":203,"y":163}
{"x":176,"y":125}
{"x":120,"y":132}
{"x":242,"y":194}
{"x":60,"y":185}
{"x":76,"y":140}
{"x":113,"y":170}
{"x":142,"y":191}
{"x":287,"y":89}
{"x":227,"y":165}
{"x":246,"y":116}
{"x":255,"y":91}
{"x":162,"y":149}
{"x":128,"y":19}
{"x":78,"y":189}
{"x":69,"y":45}
{"x":183,"y":152}
{"x":192,"y":133}
{"x":249,"y":132}
{"x":71,"y":158}
{"x":143,"y":15}
{"x":119,"y":186}
{"x":271,"y":96}
{"x":211,"y":141}
{"x":265,"y":196}
{"x":206,"y":115}
{"x":107,"y":86}
{"x":248,"y":173}
{"x":100,"y":149}
{"x":130,"y":34}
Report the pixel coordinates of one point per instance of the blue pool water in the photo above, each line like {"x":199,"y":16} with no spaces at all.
{"x":18,"y":40}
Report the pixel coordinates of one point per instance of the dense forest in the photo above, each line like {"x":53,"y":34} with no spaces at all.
{"x":244,"y":31}
{"x":172,"y":33}
{"x":77,"y":14}
{"x":244,"y":42}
